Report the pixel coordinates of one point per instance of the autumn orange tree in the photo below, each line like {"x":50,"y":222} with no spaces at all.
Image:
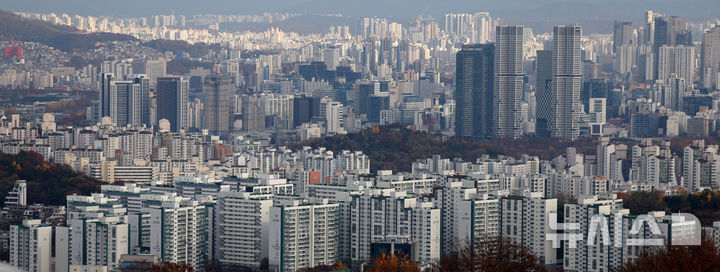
{"x":704,"y":257}
{"x":490,"y":253}
{"x":392,"y":263}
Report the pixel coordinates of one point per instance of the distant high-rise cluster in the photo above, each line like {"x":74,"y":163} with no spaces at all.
{"x":478,"y":27}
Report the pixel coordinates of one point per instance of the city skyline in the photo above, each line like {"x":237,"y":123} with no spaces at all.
{"x":263,"y":142}
{"x":596,"y":17}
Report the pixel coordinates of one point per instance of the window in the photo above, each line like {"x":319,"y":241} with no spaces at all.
{"x":377,"y":230}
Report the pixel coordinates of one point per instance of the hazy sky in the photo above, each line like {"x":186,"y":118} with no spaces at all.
{"x":529,"y":12}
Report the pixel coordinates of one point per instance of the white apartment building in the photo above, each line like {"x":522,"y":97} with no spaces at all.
{"x":18,"y":195}
{"x":178,"y":232}
{"x":468,"y":212}
{"x":525,"y":220}
{"x":585,"y":257}
{"x":303,"y":235}
{"x":96,"y":233}
{"x":30,"y":246}
{"x":97,"y":239}
{"x":242,"y":227}
{"x":382,"y":215}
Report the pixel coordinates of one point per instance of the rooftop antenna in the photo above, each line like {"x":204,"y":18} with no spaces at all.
{"x":216,"y":67}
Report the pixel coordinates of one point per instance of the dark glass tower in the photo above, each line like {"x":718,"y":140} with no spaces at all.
{"x":474,"y":83}
{"x":543,"y":97}
{"x":172,"y":101}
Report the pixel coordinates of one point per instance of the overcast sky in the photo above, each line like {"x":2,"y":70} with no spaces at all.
{"x":528,"y":12}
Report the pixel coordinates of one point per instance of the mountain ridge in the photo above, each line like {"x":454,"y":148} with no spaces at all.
{"x":14,"y":27}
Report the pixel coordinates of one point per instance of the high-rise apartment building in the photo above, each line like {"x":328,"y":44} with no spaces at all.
{"x":474,"y":84}
{"x":30,"y":246}
{"x":710,"y":62}
{"x":96,"y":233}
{"x":566,"y":83}
{"x":678,"y":61}
{"x":507,"y":121}
{"x":97,"y":239}
{"x":178,"y":232}
{"x":242,"y":228}
{"x":623,"y":34}
{"x":469,"y":212}
{"x":478,"y":27}
{"x":525,"y":220}
{"x":582,"y":256}
{"x":385,"y":216}
{"x":172,"y":101}
{"x":303,"y":235}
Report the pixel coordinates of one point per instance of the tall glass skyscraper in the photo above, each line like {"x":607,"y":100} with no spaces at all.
{"x":543,"y":95}
{"x":172,"y":101}
{"x":474,"y":83}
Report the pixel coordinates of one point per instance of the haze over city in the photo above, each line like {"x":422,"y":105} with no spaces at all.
{"x":321,"y":135}
{"x":541,"y":14}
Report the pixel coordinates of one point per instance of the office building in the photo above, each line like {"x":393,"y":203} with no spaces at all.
{"x":253,"y":113}
{"x":566,"y":83}
{"x":363,"y":91}
{"x":172,"y":101}
{"x":156,"y":69}
{"x":543,"y":92}
{"x":474,"y":96}
{"x":598,"y":115}
{"x":216,"y":107}
{"x":125,"y":102}
{"x":331,"y":57}
{"x":306,"y":108}
{"x":507,"y":118}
